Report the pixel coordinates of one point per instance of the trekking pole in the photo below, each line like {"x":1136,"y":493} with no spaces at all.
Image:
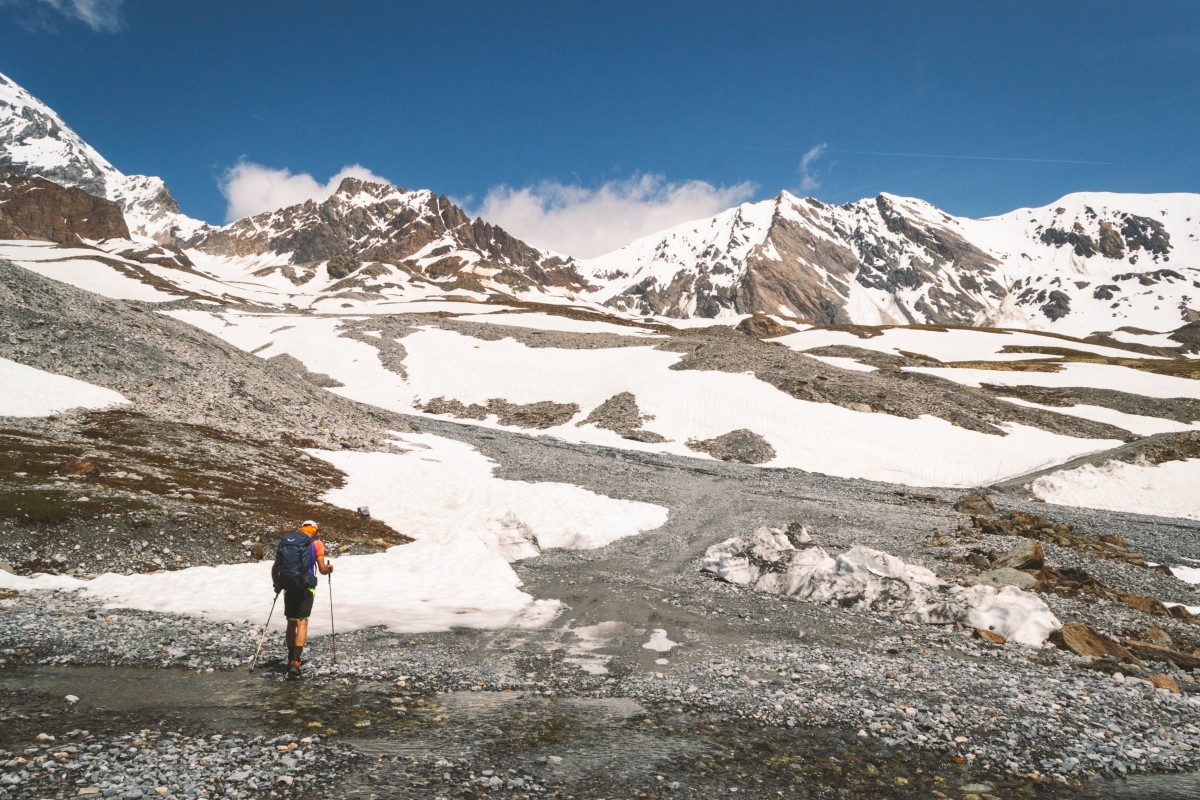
{"x":263,"y":637}
{"x":332,"y":631}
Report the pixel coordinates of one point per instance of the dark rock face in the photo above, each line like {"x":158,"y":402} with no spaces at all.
{"x":1057,"y":305}
{"x":1135,"y":233}
{"x":1188,"y":336}
{"x":35,"y":208}
{"x":342,"y":266}
{"x":1143,"y":233}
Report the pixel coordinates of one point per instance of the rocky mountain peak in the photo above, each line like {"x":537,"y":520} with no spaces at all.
{"x":420,"y":232}
{"x":34,"y":140}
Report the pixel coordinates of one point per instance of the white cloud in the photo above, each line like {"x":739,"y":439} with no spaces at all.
{"x":808,"y":181}
{"x":99,"y":15}
{"x":251,"y":188}
{"x":590,"y":222}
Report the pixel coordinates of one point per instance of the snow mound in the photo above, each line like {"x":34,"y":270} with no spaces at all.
{"x":863,"y":579}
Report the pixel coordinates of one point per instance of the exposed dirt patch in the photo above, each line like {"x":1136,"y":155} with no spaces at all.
{"x":150,"y":482}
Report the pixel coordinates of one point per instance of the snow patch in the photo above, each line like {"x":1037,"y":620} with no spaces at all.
{"x":31,"y":392}
{"x":455,"y":574}
{"x":1161,"y":490}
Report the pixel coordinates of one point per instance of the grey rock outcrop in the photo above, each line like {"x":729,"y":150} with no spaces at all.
{"x":743,"y":446}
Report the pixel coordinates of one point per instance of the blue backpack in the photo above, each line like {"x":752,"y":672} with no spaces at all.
{"x":294,"y":562}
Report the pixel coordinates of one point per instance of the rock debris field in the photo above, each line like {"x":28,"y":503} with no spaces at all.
{"x":656,"y":679}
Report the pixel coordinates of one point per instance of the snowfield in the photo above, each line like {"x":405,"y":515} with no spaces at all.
{"x":1163,"y":490}
{"x":685,"y":404}
{"x":31,"y":392}
{"x":443,"y":494}
{"x":950,"y":344}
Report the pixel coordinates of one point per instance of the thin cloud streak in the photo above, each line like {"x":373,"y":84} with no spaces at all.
{"x":99,"y":15}
{"x":972,"y":158}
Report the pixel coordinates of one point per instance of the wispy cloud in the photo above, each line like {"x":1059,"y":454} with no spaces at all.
{"x":251,"y":188}
{"x":100,"y":15}
{"x":1025,"y":159}
{"x":808,"y":181}
{"x":584,"y":222}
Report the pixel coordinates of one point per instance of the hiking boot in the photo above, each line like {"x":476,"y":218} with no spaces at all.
{"x":294,"y":669}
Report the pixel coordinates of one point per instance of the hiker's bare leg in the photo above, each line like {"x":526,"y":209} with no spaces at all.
{"x":291,"y":632}
{"x":301,"y":636}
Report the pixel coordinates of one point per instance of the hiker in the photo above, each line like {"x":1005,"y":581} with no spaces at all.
{"x":299,"y":555}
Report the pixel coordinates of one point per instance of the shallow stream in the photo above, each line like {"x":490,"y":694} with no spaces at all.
{"x":452,"y":744}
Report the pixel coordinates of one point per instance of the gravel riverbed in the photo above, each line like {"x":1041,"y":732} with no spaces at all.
{"x":753,"y":693}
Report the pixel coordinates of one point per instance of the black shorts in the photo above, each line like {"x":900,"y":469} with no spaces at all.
{"x":298,"y":603}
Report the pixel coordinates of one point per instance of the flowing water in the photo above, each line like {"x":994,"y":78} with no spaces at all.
{"x":581,"y":746}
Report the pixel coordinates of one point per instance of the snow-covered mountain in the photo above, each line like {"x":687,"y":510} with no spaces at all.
{"x":368,"y":236}
{"x":34,"y":140}
{"x":1091,"y":261}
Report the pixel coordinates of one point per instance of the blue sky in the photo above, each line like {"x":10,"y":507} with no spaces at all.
{"x":626,"y":112}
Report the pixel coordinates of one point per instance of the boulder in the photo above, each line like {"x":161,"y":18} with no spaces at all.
{"x":1147,"y":605}
{"x":1082,"y":640}
{"x":1005,"y":576}
{"x":761,"y":326}
{"x":975,"y":504}
{"x":1027,"y":554}
{"x":1161,"y":681}
{"x":1153,"y":652}
{"x":991,"y":637}
{"x":1158,"y":636}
